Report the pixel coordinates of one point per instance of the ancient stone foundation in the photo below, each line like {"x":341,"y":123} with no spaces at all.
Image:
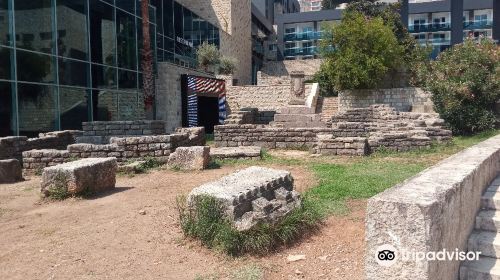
{"x":10,"y":171}
{"x":100,"y":132}
{"x":91,"y":175}
{"x":123,"y":149}
{"x":14,"y":146}
{"x":251,"y":152}
{"x":252,"y":196}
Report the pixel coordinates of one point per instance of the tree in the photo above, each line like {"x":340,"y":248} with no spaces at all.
{"x":359,"y":52}
{"x":227,"y":65}
{"x":207,"y":55}
{"x":465,"y":85}
{"x":147,"y":62}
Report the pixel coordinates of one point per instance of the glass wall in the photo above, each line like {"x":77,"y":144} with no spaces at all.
{"x":180,"y":31}
{"x":68,"y":61}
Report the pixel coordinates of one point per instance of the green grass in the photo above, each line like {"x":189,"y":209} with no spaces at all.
{"x":340,"y":180}
{"x":206,"y":222}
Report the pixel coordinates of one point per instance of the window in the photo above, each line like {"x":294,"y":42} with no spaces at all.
{"x":72,"y":14}
{"x":34,"y":19}
{"x":272,"y":47}
{"x":290,"y":30}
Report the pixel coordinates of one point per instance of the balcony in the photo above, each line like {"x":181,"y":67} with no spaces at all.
{"x":301,"y":51}
{"x":429,"y":27}
{"x":478,"y":24}
{"x":303,"y":36}
{"x":439,"y":41}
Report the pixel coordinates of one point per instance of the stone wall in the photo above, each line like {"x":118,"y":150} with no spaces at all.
{"x":122,"y":148}
{"x":278,"y":72}
{"x":14,"y":146}
{"x":169,"y":93}
{"x":266,"y":136}
{"x":233,"y":17}
{"x":250,"y":116}
{"x":432,"y":211}
{"x":265,"y":98}
{"x":100,"y":132}
{"x":403,"y":99}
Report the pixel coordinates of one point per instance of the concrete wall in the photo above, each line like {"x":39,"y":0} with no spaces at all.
{"x":168,"y":93}
{"x":432,"y":211}
{"x":234,"y":18}
{"x":403,"y":99}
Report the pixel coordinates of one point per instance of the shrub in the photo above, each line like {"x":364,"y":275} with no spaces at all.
{"x":465,"y":85}
{"x":207,"y":223}
{"x":364,"y":51}
{"x":208,"y":55}
{"x":227,"y":65}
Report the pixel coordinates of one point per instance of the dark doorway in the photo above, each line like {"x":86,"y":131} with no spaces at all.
{"x":208,"y":113}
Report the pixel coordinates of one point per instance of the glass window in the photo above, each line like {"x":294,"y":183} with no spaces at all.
{"x":34,"y":67}
{"x":127,"y":79}
{"x":178,"y":21}
{"x":102,"y":33}
{"x":6,"y":110}
{"x":5,"y":58}
{"x":168,"y":18}
{"x":73,"y":107}
{"x":4,"y":23}
{"x":37,"y":109}
{"x":72,"y":29}
{"x":73,"y":72}
{"x":104,"y":76}
{"x":105,"y":105}
{"x":34,"y":18}
{"x":127,"y":47}
{"x":126,"y":5}
{"x":129,"y":107}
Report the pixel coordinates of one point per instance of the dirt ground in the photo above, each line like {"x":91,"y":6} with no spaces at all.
{"x":110,"y":237}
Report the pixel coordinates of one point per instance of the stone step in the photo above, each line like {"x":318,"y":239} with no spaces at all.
{"x":484,"y":269}
{"x":298,"y":124}
{"x":299,"y":110}
{"x":490,"y":200}
{"x":296,"y":118}
{"x":494,"y":186}
{"x":486,"y":242}
{"x":488,"y":220}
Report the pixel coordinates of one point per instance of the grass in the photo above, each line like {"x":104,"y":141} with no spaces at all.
{"x":339,"y":181}
{"x":206,"y":222}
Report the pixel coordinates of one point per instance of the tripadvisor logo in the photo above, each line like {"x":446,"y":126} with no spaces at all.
{"x":387,"y":255}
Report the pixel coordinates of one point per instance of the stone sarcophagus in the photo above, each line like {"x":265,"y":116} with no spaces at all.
{"x":252,"y":196}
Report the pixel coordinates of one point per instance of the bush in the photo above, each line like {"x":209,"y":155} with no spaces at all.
{"x":208,"y":55}
{"x":465,"y":85}
{"x":364,"y":51}
{"x":227,"y":65}
{"x":206,"y":222}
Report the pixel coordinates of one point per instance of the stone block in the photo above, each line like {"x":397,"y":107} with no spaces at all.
{"x":249,"y":152}
{"x":252,"y":196}
{"x":10,"y":171}
{"x":86,"y":175}
{"x":190,"y":158}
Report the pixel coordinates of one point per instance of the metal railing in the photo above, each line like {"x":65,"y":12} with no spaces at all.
{"x":429,"y":27}
{"x":303,"y":36}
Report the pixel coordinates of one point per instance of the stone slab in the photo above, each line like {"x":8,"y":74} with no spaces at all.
{"x":190,"y":158}
{"x":248,"y":152}
{"x":252,"y":196}
{"x":10,"y":171}
{"x":91,"y":175}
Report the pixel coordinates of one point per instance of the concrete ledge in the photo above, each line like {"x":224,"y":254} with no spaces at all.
{"x":432,"y":211}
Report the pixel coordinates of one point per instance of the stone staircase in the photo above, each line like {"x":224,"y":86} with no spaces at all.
{"x":485,"y":238}
{"x":297,"y":116}
{"x":327,"y":107}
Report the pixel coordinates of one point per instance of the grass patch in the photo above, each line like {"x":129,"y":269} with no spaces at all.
{"x":148,"y":164}
{"x":249,"y":272}
{"x":206,"y":222}
{"x":209,"y":138}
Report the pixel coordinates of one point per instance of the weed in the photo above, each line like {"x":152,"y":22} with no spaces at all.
{"x":59,"y":189}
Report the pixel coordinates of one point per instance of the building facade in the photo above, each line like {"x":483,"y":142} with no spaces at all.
{"x":310,"y":5}
{"x":430,"y":22}
{"x":64,"y":62}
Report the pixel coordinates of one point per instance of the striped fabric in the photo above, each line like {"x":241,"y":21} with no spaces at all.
{"x":198,"y":85}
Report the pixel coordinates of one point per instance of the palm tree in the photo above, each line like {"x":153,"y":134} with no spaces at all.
{"x":147,"y":62}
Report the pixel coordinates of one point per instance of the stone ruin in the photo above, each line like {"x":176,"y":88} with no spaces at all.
{"x":252,"y":196}
{"x":357,"y":131}
{"x":92,"y":175}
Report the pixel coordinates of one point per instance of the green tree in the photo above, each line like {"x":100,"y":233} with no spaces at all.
{"x":465,"y":85}
{"x":360,"y":51}
{"x":208,"y":55}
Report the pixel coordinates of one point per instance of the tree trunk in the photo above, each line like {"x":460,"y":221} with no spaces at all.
{"x":147,"y":62}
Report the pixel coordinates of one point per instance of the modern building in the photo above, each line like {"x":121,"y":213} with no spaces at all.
{"x":430,"y":22}
{"x":68,"y":61}
{"x":310,"y":5}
